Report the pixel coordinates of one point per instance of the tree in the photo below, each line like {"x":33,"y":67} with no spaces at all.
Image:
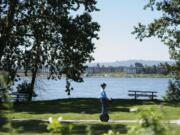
{"x":164,"y":68}
{"x":55,"y":34}
{"x":138,"y":65}
{"x":9,"y":39}
{"x":7,"y":13}
{"x":154,"y":68}
{"x":166,"y":28}
{"x":148,"y":69}
{"x":173,"y":92}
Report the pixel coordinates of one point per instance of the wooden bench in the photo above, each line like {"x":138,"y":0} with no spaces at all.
{"x":19,"y":97}
{"x":137,"y":93}
{"x":14,"y":96}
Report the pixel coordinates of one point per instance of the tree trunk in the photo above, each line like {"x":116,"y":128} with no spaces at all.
{"x":37,"y":60}
{"x":31,"y":92}
{"x":34,"y":72}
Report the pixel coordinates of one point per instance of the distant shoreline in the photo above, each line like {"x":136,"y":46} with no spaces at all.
{"x":125,"y":75}
{"x":111,"y":74}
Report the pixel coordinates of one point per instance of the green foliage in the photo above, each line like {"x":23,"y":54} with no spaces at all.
{"x":89,"y":130}
{"x":47,"y":33}
{"x":88,"y":109}
{"x":110,"y":132}
{"x":24,"y":87}
{"x":3,"y":80}
{"x":4,"y":86}
{"x":166,"y":28}
{"x":150,"y":125}
{"x":173,"y":92}
{"x":68,"y":87}
{"x":55,"y":126}
{"x":5,"y":103}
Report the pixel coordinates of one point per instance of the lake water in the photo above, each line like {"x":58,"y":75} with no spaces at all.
{"x":116,"y":87}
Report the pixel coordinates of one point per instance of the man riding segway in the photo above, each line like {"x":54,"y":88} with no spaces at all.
{"x":104,"y":104}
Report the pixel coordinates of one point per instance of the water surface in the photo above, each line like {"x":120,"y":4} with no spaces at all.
{"x":116,"y":87}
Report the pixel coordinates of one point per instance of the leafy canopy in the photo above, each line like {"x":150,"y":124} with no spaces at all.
{"x":56,"y":34}
{"x":166,"y":27}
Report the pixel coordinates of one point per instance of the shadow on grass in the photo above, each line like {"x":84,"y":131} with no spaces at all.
{"x":81,"y":105}
{"x":98,"y":129}
{"x":26,"y":127}
{"x":38,"y":127}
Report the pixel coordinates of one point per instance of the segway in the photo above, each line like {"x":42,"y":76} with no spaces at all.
{"x":104,"y":117}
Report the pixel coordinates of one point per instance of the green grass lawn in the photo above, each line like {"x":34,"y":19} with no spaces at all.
{"x":83,"y":109}
{"x":86,"y":109}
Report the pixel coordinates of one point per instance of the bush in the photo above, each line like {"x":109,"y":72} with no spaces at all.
{"x":55,"y":126}
{"x":5,"y":84}
{"x":3,"y":80}
{"x":24,"y":87}
{"x":173,"y":91}
{"x":5,"y":105}
{"x":150,"y":125}
{"x":110,"y":132}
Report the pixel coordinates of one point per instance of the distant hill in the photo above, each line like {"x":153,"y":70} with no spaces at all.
{"x":129,"y":62}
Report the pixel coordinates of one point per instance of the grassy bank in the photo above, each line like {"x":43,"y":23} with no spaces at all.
{"x":122,"y":74}
{"x":90,"y":109}
{"x":86,"y":109}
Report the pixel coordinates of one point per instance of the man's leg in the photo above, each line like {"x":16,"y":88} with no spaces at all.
{"x":105,"y":105}
{"x":102,"y":106}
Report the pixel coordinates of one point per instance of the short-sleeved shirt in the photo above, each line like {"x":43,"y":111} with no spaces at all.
{"x":103,"y":94}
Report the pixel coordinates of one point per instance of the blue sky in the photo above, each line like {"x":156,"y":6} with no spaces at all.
{"x":117,"y":18}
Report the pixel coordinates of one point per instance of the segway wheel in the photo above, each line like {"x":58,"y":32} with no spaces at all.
{"x":104,"y":117}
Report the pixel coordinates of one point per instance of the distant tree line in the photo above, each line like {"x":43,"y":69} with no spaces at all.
{"x":162,"y":68}
{"x":137,"y":68}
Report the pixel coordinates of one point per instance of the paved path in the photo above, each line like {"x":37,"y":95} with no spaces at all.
{"x":95,"y":121}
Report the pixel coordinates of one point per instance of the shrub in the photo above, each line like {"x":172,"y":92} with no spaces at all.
{"x":4,"y":80}
{"x":24,"y":87}
{"x":110,"y":132}
{"x":150,"y":124}
{"x":173,"y":91}
{"x":4,"y":86}
{"x":55,"y":126}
